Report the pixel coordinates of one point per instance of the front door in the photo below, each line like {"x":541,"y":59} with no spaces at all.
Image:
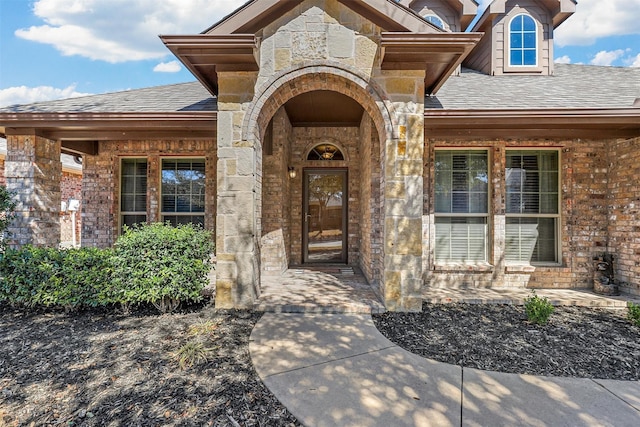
{"x":324,"y":230}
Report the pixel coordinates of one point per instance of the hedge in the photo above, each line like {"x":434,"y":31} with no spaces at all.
{"x":155,"y":263}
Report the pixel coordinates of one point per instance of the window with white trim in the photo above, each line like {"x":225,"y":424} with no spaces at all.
{"x":523,"y":41}
{"x":133,"y":192}
{"x":435,"y":20}
{"x":461,"y":205}
{"x":532,"y":206}
{"x":183,"y":191}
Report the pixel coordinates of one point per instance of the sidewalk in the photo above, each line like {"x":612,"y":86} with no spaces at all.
{"x":338,"y":370}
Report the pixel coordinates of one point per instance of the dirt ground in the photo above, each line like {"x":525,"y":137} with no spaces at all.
{"x":104,"y":369}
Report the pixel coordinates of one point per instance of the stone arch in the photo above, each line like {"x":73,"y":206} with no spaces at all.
{"x":318,"y":76}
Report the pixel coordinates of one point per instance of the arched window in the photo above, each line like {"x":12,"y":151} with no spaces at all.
{"x":435,"y":20}
{"x":523,"y":42}
{"x":325,"y":152}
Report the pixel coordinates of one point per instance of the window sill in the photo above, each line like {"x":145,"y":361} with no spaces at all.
{"x":476,"y":267}
{"x":529,"y":268}
{"x":510,"y":69}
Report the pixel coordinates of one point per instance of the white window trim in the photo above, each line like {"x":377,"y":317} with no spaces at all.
{"x":508,"y":67}
{"x":122,"y":213}
{"x":558,"y":216}
{"x":486,"y":263}
{"x":433,"y":15}
{"x":161,"y":213}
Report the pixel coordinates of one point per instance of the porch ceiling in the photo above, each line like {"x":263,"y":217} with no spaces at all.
{"x":324,"y":108}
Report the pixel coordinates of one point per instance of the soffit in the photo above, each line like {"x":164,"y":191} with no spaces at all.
{"x":325,"y":108}
{"x":538,"y":123}
{"x":77,"y":131}
{"x":438,"y":54}
{"x":560,"y":11}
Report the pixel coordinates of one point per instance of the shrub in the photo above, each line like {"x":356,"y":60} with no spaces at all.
{"x":634,"y":313}
{"x":7,"y":208}
{"x":50,"y":277}
{"x":160,"y":264}
{"x":191,"y":353}
{"x":538,"y":309}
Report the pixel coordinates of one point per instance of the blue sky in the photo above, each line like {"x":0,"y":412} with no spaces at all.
{"x":52,"y":49}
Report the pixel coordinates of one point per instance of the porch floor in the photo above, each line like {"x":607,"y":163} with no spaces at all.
{"x":516,"y":296}
{"x":321,"y":289}
{"x":343,"y":289}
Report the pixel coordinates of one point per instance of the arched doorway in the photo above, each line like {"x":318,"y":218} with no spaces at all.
{"x":307,"y":111}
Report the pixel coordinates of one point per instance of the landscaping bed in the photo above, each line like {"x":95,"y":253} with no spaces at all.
{"x":98,"y":368}
{"x":577,"y":341}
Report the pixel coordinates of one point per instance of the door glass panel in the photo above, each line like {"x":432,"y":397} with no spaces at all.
{"x":324,"y":222}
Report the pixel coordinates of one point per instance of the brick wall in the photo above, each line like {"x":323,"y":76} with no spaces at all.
{"x":70,"y":188}
{"x":275,"y":248}
{"x":583,"y":171}
{"x":32,"y":172}
{"x":303,"y":140}
{"x":100,"y":183}
{"x":370,"y":216}
{"x":624,"y":212}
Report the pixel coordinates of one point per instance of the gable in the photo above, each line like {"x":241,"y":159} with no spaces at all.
{"x":253,"y":16}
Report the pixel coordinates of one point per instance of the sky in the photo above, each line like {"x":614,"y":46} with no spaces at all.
{"x":53,"y":49}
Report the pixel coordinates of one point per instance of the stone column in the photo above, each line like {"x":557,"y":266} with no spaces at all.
{"x":33,"y":171}
{"x":239,"y":196}
{"x":403,"y":194}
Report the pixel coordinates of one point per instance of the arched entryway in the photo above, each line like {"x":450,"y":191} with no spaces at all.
{"x":297,"y":114}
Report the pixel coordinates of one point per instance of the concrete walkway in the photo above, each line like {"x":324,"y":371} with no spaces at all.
{"x":338,"y":370}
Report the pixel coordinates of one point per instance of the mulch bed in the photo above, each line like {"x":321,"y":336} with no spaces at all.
{"x":577,"y":342}
{"x":99,"y":368}
{"x":104,"y":369}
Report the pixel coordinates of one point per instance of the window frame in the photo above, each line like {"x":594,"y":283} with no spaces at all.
{"x":487,"y":216}
{"x":122,"y":213}
{"x":508,"y":66}
{"x":433,"y":15}
{"x":161,"y":212}
{"x":557,"y":216}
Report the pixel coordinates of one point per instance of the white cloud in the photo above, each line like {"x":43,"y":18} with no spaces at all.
{"x":167,"y":67}
{"x":636,"y":61}
{"x":599,"y":18}
{"x":607,"y":57}
{"x":121,"y":30}
{"x":563,"y":60}
{"x":27,"y":95}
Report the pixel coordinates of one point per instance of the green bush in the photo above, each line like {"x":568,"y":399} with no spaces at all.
{"x":538,"y":309}
{"x":68,"y":278}
{"x":7,"y":208}
{"x":634,"y":313}
{"x":160,"y":264}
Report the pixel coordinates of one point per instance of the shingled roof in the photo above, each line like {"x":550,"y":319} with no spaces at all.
{"x":187,"y":97}
{"x":571,"y":86}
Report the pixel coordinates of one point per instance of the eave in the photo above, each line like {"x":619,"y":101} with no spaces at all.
{"x":206,"y":54}
{"x":253,"y":16}
{"x":79,"y":131}
{"x":438,"y":54}
{"x":541,"y":123}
